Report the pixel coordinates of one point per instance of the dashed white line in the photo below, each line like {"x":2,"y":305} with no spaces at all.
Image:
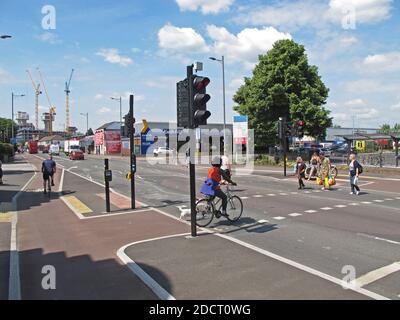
{"x":377,"y":274}
{"x":257,"y":196}
{"x":283,"y":194}
{"x":294,"y":193}
{"x":366,"y":202}
{"x":295,"y":214}
{"x":340,"y":206}
{"x":271,"y":195}
{"x":379,"y":201}
{"x":389,"y":199}
{"x":326,"y":208}
{"x":354,"y":204}
{"x":279,"y":218}
{"x":244,"y":198}
{"x":310,"y":211}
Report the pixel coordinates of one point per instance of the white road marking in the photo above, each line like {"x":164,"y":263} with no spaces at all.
{"x":377,"y":238}
{"x":340,"y":206}
{"x":379,"y":201}
{"x":244,"y":198}
{"x":398,"y":198}
{"x":257,"y":196}
{"x":279,"y":218}
{"x":354,"y":204}
{"x":389,"y":199}
{"x":295,"y":214}
{"x":326,"y":208}
{"x":307,"y":191}
{"x":263,"y":221}
{"x":294,"y":193}
{"x":271,"y":195}
{"x":377,"y":274}
{"x":310,"y":211}
{"x":283,"y":194}
{"x":366,"y":202}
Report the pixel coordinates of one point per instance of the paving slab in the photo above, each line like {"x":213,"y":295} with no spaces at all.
{"x":211,"y":267}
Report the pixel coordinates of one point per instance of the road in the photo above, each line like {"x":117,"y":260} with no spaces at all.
{"x":321,"y":233}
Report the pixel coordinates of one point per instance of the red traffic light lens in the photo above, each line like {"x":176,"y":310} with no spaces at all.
{"x":201,"y":82}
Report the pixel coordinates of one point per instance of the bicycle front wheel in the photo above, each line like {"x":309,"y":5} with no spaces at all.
{"x":204,"y":212}
{"x":234,"y":208}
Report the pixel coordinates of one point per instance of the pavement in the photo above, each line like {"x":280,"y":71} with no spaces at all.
{"x":289,"y":244}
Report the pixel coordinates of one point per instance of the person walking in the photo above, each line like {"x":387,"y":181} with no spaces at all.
{"x":354,"y":171}
{"x":300,"y":171}
{"x":325,"y":169}
{"x":314,"y":162}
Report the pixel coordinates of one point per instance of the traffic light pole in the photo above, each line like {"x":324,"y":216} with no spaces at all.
{"x":192,"y":169}
{"x":132,"y":152}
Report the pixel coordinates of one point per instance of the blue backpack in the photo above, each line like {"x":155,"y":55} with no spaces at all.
{"x":208,"y":187}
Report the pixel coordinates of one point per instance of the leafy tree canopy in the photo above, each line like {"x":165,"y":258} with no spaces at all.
{"x":283,"y":85}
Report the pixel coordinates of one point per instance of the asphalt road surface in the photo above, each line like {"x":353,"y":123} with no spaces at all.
{"x":329,"y":231}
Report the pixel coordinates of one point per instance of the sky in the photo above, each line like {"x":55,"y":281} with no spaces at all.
{"x":117,"y":48}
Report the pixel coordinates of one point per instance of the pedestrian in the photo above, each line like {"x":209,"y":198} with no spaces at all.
{"x":354,"y":171}
{"x":1,"y":172}
{"x":314,"y":162}
{"x":325,"y":170}
{"x":300,"y":171}
{"x":226,"y":165}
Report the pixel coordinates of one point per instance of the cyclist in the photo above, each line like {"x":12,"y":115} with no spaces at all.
{"x":215,"y":177}
{"x":48,"y":170}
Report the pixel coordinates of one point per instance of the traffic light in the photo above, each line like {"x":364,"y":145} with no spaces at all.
{"x":182,"y":104}
{"x":199,"y":110}
{"x":129,"y":124}
{"x":300,"y":129}
{"x":288,"y":129}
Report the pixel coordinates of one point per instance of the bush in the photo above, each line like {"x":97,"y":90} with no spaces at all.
{"x":6,"y":151}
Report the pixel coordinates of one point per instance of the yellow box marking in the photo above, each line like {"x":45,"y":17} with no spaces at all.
{"x":78,"y":205}
{"x":5,"y":217}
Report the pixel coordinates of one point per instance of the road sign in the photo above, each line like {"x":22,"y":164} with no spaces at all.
{"x":240,"y":129}
{"x":360,"y":146}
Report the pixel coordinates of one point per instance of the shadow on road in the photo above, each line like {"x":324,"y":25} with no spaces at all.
{"x":248,"y":224}
{"x":81,"y":277}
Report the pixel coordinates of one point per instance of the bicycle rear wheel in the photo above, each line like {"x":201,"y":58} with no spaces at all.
{"x":234,"y":208}
{"x":204,"y":212}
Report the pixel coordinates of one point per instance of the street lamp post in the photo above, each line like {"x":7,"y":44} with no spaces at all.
{"x":87,"y":121}
{"x":12,"y":111}
{"x":222,"y":60}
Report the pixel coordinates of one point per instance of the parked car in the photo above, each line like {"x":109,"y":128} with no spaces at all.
{"x":163,"y":151}
{"x":76,"y":154}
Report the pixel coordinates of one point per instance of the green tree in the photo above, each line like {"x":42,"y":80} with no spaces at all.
{"x":385,"y":129}
{"x":90,"y":132}
{"x":283,"y":84}
{"x":6,"y":129}
{"x":396,"y":127}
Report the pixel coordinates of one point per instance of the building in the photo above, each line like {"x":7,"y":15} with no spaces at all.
{"x":335,"y":134}
{"x":107,"y":138}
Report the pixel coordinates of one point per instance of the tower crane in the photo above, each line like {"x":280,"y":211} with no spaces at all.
{"x":52,"y":109}
{"x":67,"y":92}
{"x":36,"y":87}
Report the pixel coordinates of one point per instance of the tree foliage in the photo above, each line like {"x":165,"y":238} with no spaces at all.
{"x":90,"y":132}
{"x":6,"y":129}
{"x":283,"y":84}
{"x":387,"y":129}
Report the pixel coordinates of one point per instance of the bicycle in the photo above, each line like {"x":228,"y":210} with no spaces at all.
{"x":206,"y":209}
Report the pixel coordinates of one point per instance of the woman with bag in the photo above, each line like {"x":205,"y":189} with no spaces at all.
{"x":354,"y":171}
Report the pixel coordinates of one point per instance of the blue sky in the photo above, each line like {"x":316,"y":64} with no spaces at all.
{"x":119,"y":47}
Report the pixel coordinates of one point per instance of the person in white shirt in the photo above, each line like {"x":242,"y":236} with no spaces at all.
{"x":226,"y":165}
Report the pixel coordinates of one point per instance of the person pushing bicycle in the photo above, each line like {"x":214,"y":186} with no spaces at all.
{"x":48,"y":170}
{"x":212,"y":186}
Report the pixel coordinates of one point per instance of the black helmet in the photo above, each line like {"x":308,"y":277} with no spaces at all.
{"x":216,"y":161}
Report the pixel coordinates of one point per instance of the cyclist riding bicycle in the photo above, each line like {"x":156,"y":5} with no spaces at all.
{"x":48,"y":170}
{"x":215,"y":177}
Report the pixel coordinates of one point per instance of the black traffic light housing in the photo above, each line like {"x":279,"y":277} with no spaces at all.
{"x":300,"y":128}
{"x":129,"y":124}
{"x":199,"y":110}
{"x":288,"y":129}
{"x":182,"y":103}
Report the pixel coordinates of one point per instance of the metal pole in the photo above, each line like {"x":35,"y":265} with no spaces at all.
{"x":397,"y":152}
{"x":107,"y":187}
{"x":223,"y":89}
{"x":192,"y":169}
{"x":12,"y":115}
{"x":131,"y":151}
{"x":87,"y":122}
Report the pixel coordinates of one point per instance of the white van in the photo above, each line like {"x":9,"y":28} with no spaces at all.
{"x":54,"y":150}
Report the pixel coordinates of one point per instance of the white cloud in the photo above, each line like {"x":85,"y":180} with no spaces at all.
{"x":368,"y":86}
{"x":395,"y":107}
{"x":366,"y":11}
{"x":365,"y":112}
{"x":98,"y":96}
{"x":103,"y":110}
{"x":355,"y":102}
{"x":112,"y":55}
{"x":206,"y":6}
{"x":135,"y":50}
{"x":181,"y":40}
{"x":49,"y":37}
{"x":246,"y":45}
{"x":389,"y":62}
{"x":347,"y":41}
{"x":315,"y":13}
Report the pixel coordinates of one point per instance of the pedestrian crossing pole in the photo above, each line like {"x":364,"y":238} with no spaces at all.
{"x":132,"y":151}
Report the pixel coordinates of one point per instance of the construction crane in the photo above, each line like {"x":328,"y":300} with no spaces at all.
{"x":52,"y":109}
{"x":37,"y":93}
{"x":67,"y":91}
